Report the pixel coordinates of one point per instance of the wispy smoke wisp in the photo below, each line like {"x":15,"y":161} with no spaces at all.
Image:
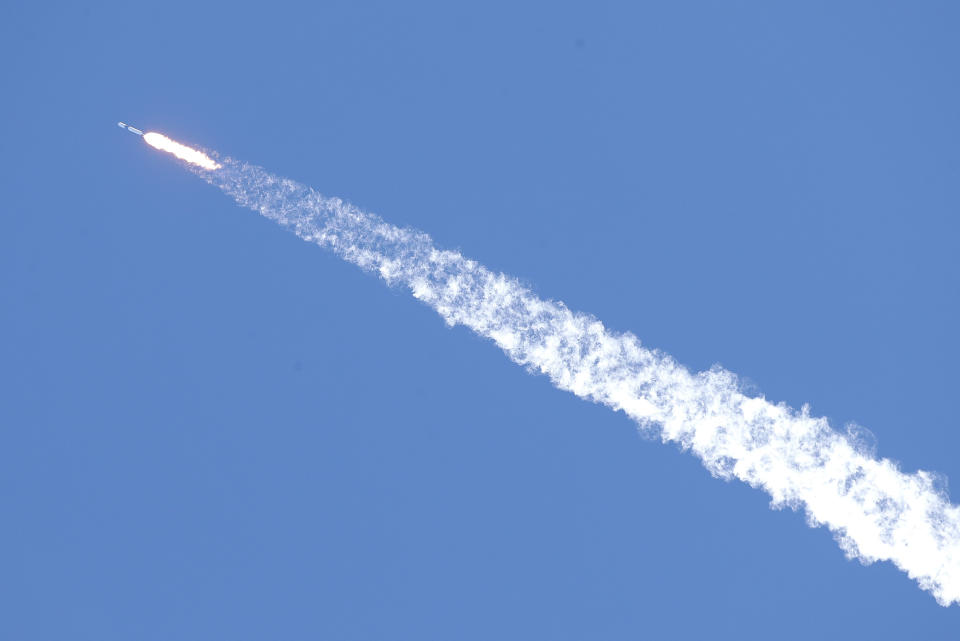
{"x":875,"y":511}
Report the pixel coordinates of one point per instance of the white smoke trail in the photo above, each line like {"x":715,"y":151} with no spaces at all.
{"x":875,"y":511}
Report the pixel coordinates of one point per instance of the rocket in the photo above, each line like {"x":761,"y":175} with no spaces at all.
{"x":161,"y":142}
{"x":132,"y":130}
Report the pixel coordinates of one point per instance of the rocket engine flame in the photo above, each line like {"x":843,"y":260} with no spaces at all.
{"x":192,"y":156}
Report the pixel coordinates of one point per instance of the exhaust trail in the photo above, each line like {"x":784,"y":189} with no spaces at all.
{"x":192,"y":156}
{"x":876,"y":511}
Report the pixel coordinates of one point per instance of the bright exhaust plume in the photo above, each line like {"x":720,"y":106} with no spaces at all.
{"x":190,"y":155}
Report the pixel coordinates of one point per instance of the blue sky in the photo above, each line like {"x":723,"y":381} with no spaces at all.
{"x":214,"y":430}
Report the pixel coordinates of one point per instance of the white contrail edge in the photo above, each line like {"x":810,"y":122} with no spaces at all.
{"x":875,"y":511}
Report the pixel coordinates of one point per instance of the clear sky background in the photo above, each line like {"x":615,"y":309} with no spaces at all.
{"x":213,"y":430}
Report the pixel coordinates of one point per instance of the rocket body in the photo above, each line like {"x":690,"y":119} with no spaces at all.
{"x":132,"y":130}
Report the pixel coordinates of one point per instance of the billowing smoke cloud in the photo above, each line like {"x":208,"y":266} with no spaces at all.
{"x":875,"y":511}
